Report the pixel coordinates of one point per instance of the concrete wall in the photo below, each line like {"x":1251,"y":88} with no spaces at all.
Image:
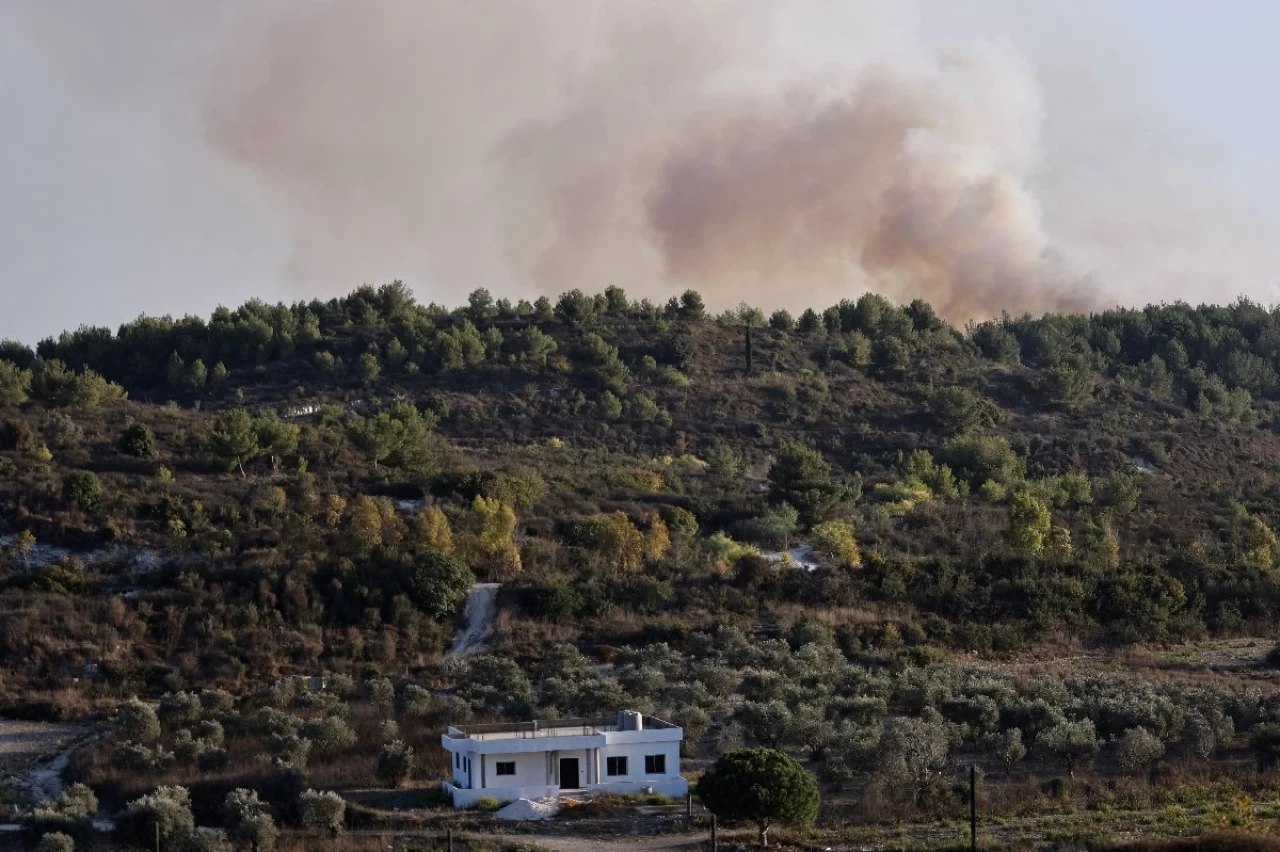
{"x":635,"y":754}
{"x":531,"y":770}
{"x":676,"y":788}
{"x":458,"y":768}
{"x":465,"y":798}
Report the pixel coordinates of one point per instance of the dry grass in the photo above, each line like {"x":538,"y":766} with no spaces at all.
{"x":380,"y":843}
{"x":513,"y":630}
{"x":25,"y":743}
{"x":1213,"y":843}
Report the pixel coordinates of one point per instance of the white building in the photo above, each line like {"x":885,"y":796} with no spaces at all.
{"x":628,"y":754}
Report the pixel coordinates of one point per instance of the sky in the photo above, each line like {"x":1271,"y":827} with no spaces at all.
{"x":117,"y":198}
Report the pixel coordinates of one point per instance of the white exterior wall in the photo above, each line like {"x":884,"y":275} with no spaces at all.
{"x":669,"y":783}
{"x":537,"y":762}
{"x":531,"y":770}
{"x":584,"y":769}
{"x":458,"y":769}
{"x":465,"y":798}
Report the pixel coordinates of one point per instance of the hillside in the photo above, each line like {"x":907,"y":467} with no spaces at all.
{"x":195,"y":504}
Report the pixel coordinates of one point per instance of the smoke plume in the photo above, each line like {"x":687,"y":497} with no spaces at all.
{"x":784,"y":154}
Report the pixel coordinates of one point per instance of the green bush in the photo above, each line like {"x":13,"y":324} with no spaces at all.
{"x":82,"y":489}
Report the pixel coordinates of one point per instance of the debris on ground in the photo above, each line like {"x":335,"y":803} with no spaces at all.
{"x":530,"y":809}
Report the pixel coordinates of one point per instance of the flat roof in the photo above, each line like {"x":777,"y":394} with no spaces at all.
{"x":550,"y":728}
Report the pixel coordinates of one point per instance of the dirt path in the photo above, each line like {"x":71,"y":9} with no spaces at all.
{"x":571,"y":843}
{"x":672,"y":843}
{"x":33,"y":756}
{"x":482,"y":606}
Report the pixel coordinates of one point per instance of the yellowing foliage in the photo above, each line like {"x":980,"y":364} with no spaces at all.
{"x":364,"y":527}
{"x":658,"y":540}
{"x":335,"y":508}
{"x":834,"y":539}
{"x":493,"y":541}
{"x":433,"y":531}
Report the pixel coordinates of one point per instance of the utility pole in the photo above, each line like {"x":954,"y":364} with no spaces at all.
{"x":448,"y":834}
{"x":973,"y":808}
{"x":715,"y":836}
{"x":156,"y":826}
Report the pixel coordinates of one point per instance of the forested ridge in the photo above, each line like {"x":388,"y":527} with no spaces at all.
{"x":1135,"y":445}
{"x":784,"y":529}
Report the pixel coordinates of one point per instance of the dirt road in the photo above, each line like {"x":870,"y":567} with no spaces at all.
{"x":33,"y":755}
{"x":482,"y":606}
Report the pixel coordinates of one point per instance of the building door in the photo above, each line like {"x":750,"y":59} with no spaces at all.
{"x":569,"y":777}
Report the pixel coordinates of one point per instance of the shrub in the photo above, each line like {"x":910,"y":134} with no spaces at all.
{"x":248,"y":822}
{"x":439,"y":582}
{"x":137,"y":720}
{"x":911,"y":752}
{"x":139,"y":441}
{"x":207,"y":840}
{"x":176,"y":709}
{"x":322,"y":811}
{"x":835,"y":540}
{"x":15,"y":383}
{"x":485,"y":804}
{"x":1070,"y":742}
{"x":395,"y":763}
{"x":329,"y":733}
{"x":166,"y":812}
{"x":141,"y":758}
{"x":82,"y":489}
{"x":381,"y":692}
{"x":801,"y":477}
{"x":56,"y":842}
{"x":1138,"y":750}
{"x":71,"y":816}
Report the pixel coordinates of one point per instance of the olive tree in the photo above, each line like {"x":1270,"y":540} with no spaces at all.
{"x":1070,"y":742}
{"x":912,"y":752}
{"x":1138,"y":750}
{"x":56,"y":842}
{"x":329,"y":733}
{"x":248,"y":821}
{"x":395,"y":763}
{"x":137,"y":720}
{"x":322,"y":811}
{"x":1006,"y":746}
{"x":162,"y":818}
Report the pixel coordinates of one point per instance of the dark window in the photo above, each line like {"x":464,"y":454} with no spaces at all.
{"x":655,"y":764}
{"x":615,"y":766}
{"x":504,"y":767}
{"x":457,"y":761}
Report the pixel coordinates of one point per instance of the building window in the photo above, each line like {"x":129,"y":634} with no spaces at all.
{"x":457,"y":760}
{"x":615,"y":766}
{"x":655,"y":764}
{"x":504,"y":767}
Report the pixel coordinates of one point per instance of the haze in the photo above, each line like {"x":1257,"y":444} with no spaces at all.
{"x":987,"y":155}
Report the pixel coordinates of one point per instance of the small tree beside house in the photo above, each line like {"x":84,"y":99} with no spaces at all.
{"x":762,"y":785}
